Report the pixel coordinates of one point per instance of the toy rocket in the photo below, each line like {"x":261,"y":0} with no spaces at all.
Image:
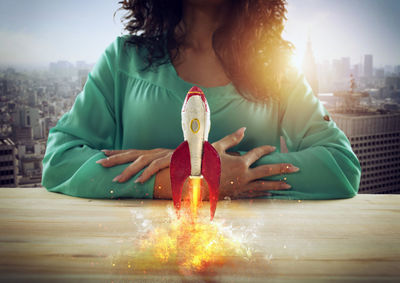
{"x":195,"y":157}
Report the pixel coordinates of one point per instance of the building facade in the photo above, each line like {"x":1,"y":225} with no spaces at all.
{"x":368,"y":66}
{"x":375,"y":139}
{"x":8,"y":163}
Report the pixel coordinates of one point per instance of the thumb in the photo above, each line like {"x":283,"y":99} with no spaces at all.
{"x":229,"y":140}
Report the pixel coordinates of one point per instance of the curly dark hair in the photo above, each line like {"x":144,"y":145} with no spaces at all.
{"x":249,"y":46}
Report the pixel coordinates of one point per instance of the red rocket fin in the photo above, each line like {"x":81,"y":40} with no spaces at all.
{"x":211,"y":171}
{"x":179,"y":171}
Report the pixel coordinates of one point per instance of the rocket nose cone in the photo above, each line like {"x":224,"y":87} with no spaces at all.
{"x":195,"y":89}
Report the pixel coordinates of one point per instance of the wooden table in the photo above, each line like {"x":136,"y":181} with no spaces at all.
{"x":46,"y":237}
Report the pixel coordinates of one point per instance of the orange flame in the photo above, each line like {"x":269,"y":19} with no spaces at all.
{"x":195,"y":194}
{"x":192,"y":245}
{"x":192,"y":241}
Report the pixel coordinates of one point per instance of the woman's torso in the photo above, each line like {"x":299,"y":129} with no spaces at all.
{"x":148,"y":109}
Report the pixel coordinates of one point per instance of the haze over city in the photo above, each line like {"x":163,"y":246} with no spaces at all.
{"x":35,"y":33}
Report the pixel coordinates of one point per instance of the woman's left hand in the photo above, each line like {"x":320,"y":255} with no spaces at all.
{"x":154,"y":160}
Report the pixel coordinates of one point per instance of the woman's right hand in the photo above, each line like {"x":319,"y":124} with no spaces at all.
{"x":238,"y":180}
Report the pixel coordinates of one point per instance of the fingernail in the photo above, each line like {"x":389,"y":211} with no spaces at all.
{"x":105,"y":151}
{"x":285,"y":186}
{"x":117,"y":178}
{"x":99,"y":161}
{"x":273,"y":148}
{"x":138,"y":179}
{"x":293,"y":168}
{"x":241,"y":130}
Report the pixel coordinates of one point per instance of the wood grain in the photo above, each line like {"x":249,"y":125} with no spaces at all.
{"x":47,"y":237}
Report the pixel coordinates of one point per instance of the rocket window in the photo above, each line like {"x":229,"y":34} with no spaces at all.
{"x":195,"y":125}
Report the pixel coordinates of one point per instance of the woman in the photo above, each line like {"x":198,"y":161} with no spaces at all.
{"x":130,"y":108}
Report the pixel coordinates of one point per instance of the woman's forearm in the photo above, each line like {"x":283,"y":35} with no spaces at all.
{"x":162,"y":185}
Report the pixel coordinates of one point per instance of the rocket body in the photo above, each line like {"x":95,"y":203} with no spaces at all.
{"x":195,"y":156}
{"x":195,"y":127}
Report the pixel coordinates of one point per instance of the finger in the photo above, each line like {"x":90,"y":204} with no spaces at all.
{"x":229,"y":140}
{"x":233,"y":153}
{"x":127,"y":156}
{"x":254,"y":194}
{"x":138,"y":152}
{"x":261,"y":185}
{"x":132,"y":169}
{"x":141,"y":162}
{"x":120,"y":158}
{"x":271,"y":169}
{"x":256,"y":153}
{"x":155,"y":166}
{"x":109,"y":152}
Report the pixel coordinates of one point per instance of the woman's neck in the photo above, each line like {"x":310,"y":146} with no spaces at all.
{"x":200,"y":20}
{"x":196,"y":61}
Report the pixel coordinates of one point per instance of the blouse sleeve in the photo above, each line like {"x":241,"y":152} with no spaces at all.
{"x":329,"y":168}
{"x":75,"y":143}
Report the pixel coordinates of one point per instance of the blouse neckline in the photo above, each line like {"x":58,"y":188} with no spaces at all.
{"x":216,"y":91}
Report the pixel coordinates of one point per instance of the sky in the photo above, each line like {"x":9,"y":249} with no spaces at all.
{"x":37,"y":32}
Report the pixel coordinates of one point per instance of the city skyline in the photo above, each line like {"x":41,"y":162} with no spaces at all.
{"x":345,"y":28}
{"x":35,"y":33}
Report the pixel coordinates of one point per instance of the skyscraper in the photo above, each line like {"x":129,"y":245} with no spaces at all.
{"x":368,"y":65}
{"x":8,"y":163}
{"x":375,"y":139}
{"x":397,"y":70}
{"x":310,"y":68}
{"x":374,"y":135}
{"x":345,"y":67}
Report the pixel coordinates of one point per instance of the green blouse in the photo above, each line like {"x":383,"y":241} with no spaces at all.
{"x":124,"y":106}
